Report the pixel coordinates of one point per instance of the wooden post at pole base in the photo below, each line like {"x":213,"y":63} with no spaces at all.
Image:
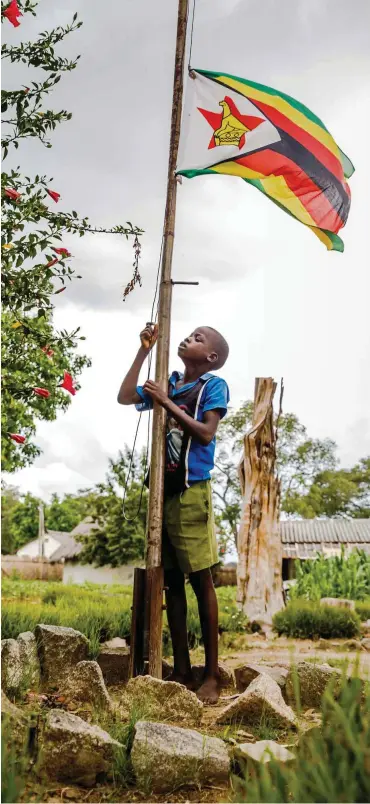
{"x":260,"y":584}
{"x":136,"y":667}
{"x":154,"y":571}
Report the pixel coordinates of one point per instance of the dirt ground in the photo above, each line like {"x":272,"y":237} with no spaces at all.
{"x":252,"y":648}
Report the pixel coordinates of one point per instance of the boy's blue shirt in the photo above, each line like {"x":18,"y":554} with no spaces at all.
{"x":214,"y":395}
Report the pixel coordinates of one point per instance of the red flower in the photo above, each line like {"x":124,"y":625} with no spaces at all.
{"x":41,"y":392}
{"x":55,"y":196}
{"x":68,"y":383}
{"x":60,"y":290}
{"x":46,"y":349}
{"x":63,"y":251}
{"x":17,"y":438}
{"x":26,"y":90}
{"x":12,"y":12}
{"x":12,"y":193}
{"x":52,"y":262}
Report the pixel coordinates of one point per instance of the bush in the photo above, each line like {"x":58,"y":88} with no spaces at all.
{"x":338,"y":576}
{"x":306,"y":620}
{"x":363,"y":609}
{"x":331,"y":764}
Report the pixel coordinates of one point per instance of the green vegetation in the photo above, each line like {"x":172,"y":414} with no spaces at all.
{"x":304,"y":619}
{"x":338,"y":576}
{"x":331,"y":764}
{"x":99,"y":612}
{"x":363,"y":609}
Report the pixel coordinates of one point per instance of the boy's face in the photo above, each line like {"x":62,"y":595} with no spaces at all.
{"x":197,"y":347}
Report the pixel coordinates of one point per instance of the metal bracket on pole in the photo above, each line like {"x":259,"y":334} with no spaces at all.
{"x":184,"y":283}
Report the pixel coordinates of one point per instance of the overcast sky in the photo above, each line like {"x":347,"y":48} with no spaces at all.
{"x":287,"y":306}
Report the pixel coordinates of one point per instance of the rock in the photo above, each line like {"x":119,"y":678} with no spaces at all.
{"x":312,"y":680}
{"x":114,"y":664}
{"x":366,"y":643}
{"x":353,"y":644}
{"x":59,"y":650}
{"x":226,"y":675}
{"x":167,"y":757}
{"x":246,"y":673}
{"x":163,"y":700}
{"x":15,"y":725}
{"x":86,"y":684}
{"x":72,"y":750}
{"x":116,"y":642}
{"x":11,"y":668}
{"x":263,"y":697}
{"x":245,"y":735}
{"x":167,"y":669}
{"x":20,"y":669}
{"x":338,"y":602}
{"x":262,"y":752}
{"x":29,"y":659}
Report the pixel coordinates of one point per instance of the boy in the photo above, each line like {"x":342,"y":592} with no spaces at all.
{"x":195,"y":403}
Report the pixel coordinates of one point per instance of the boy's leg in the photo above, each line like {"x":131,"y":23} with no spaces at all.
{"x":202,"y":584}
{"x":176,"y":614}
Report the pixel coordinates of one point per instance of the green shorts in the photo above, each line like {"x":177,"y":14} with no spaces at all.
{"x":189,"y":537}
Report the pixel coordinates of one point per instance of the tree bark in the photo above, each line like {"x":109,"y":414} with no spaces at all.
{"x":260,"y":585}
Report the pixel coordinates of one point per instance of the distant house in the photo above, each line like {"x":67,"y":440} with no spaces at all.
{"x":304,"y":538}
{"x":57,"y":546}
{"x":75,"y":572}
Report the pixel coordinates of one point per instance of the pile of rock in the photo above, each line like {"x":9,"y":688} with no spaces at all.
{"x":164,"y":755}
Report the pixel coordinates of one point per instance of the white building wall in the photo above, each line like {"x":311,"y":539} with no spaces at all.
{"x":31,"y":550}
{"x":80,"y":573}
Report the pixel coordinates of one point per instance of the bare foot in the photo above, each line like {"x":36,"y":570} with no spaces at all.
{"x":209,"y":692}
{"x":186,"y":680}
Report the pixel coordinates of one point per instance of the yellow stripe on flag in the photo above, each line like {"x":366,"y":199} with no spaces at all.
{"x":285,"y":108}
{"x":235,"y":169}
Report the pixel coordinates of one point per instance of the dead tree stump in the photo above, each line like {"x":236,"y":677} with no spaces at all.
{"x":260,"y":585}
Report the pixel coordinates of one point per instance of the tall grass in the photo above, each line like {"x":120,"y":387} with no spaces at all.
{"x":332,"y":763}
{"x":338,"y":576}
{"x":99,"y":612}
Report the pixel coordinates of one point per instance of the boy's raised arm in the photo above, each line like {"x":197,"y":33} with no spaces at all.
{"x":127,"y":394}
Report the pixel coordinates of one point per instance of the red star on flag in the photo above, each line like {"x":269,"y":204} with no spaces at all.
{"x":215,"y":119}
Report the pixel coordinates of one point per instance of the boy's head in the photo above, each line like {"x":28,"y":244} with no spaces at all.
{"x":205,"y":347}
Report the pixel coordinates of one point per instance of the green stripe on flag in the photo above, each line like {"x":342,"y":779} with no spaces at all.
{"x":347,"y":165}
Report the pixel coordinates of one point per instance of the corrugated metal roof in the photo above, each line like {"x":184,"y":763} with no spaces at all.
{"x":315,"y":532}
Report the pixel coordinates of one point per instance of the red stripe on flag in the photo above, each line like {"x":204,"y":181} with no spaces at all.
{"x":310,"y":195}
{"x":307,"y":140}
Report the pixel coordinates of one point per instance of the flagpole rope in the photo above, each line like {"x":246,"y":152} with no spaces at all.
{"x":191,"y":36}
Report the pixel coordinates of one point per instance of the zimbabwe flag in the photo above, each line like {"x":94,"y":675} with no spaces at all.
{"x":240,"y":128}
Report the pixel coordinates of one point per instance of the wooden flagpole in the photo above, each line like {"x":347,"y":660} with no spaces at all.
{"x":154,"y":571}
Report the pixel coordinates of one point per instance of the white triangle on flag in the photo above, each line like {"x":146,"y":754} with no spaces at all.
{"x":206,"y":134}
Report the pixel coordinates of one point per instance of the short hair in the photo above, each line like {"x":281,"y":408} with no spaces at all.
{"x":221,"y":346}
